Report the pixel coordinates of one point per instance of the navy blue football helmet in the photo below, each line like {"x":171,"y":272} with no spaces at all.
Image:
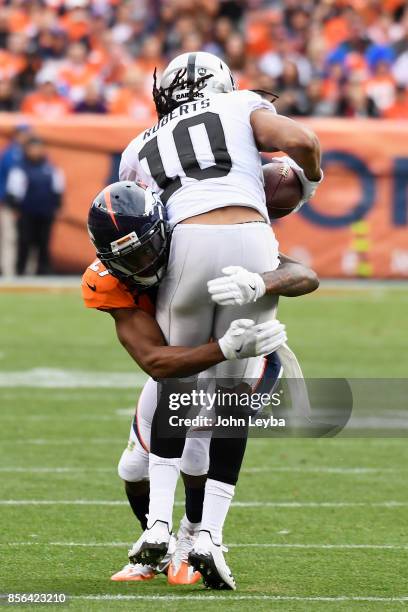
{"x":127,"y":225}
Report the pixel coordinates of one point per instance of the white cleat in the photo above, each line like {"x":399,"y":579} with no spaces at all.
{"x":134,"y":573}
{"x":163,"y":566}
{"x":208,"y":559}
{"x":152,"y":545}
{"x":180,"y":571}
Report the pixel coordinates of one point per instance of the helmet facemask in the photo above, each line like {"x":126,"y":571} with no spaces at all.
{"x":141,"y":261}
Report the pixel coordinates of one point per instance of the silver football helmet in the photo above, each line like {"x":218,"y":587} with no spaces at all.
{"x":201,"y":73}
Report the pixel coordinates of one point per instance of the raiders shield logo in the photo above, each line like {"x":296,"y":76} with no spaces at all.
{"x":202,"y":71}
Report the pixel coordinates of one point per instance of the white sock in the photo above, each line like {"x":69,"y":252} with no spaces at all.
{"x":217,"y":500}
{"x":163,"y":474}
{"x":186,"y":525}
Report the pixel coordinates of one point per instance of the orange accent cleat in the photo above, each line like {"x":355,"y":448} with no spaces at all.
{"x":134,"y":572}
{"x":182,"y":573}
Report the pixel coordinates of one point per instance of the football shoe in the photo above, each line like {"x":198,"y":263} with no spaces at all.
{"x":208,"y":559}
{"x":152,"y":545}
{"x":134,"y":572}
{"x":180,"y":571}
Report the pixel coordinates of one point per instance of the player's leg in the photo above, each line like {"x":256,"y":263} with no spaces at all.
{"x":263,"y":373}
{"x":24,"y":242}
{"x":258,"y":253}
{"x":186,"y":316}
{"x":133,"y":469}
{"x":43,"y":240}
{"x":206,"y":555}
{"x":8,"y":240}
{"x":226,"y":453}
{"x":194,"y":467}
{"x":182,"y":302}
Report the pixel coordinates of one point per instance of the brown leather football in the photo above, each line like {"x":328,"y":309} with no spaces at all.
{"x":283,"y":189}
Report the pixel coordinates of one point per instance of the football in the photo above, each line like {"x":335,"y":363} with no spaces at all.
{"x":283,"y":189}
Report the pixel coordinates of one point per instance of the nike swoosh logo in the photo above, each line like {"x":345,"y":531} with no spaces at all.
{"x":92,"y":287}
{"x":251,"y":287}
{"x":240,"y":349}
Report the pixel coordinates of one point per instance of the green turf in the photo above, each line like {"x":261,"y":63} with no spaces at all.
{"x":334,"y":333}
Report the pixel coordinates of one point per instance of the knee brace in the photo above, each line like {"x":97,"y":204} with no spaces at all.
{"x":134,"y":465}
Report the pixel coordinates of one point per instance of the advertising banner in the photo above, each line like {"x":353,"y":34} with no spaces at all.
{"x":357,"y":225}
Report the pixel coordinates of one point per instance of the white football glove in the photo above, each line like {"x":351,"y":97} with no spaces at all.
{"x":309,"y":187}
{"x":244,"y":339}
{"x":238,"y":286}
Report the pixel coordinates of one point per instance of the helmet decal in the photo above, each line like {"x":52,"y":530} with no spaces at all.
{"x":150,"y":201}
{"x":190,"y":76}
{"x":191,"y":69}
{"x":108,"y":201}
{"x":124,"y":243}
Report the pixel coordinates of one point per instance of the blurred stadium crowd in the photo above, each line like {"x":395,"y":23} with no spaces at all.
{"x":323,"y":57}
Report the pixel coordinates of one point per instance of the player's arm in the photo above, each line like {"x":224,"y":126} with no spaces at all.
{"x":239,"y":286}
{"x":138,"y":330}
{"x":290,"y":279}
{"x":278,"y":133}
{"x":141,"y":336}
{"x":126,"y":172}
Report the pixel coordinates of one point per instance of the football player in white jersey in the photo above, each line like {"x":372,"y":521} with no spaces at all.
{"x":202,"y":157}
{"x":290,"y":279}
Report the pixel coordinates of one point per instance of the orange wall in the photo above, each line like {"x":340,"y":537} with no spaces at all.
{"x":364,"y":165}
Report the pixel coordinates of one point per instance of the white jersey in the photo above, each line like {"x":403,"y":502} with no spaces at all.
{"x":201,"y":156}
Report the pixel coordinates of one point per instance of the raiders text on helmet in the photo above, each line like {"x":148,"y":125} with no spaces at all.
{"x":191,"y":76}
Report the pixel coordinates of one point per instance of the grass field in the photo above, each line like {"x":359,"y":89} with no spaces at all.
{"x":317,"y":524}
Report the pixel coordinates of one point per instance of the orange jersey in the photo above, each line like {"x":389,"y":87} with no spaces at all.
{"x":77,"y":76}
{"x":19,"y":21}
{"x":76,"y":27}
{"x":137,"y":106}
{"x":45,"y":107}
{"x":103,"y":291}
{"x":10,"y":64}
{"x":399,"y":110}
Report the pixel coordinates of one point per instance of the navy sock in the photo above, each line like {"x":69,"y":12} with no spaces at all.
{"x":139,"y":503}
{"x":194,"y":503}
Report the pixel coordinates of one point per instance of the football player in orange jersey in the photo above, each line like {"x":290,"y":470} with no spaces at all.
{"x":127,"y":226}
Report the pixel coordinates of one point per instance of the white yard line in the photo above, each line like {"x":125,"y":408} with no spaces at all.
{"x":319,"y":470}
{"x":55,"y":470}
{"x":112,"y":440}
{"x":248,"y":470}
{"x":63,"y":441}
{"x":53,"y":378}
{"x":237,"y":504}
{"x":323,"y":546}
{"x":396,"y":547}
{"x":230,"y":598}
{"x":39,"y":282}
